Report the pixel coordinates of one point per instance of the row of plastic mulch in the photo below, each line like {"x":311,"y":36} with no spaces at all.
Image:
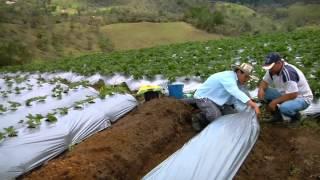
{"x":216,"y":153}
{"x":34,"y":146}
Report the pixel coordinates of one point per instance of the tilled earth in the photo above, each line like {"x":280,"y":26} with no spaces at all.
{"x":157,"y":128}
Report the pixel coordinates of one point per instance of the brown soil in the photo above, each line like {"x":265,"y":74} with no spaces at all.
{"x":283,"y":152}
{"x":157,"y":128}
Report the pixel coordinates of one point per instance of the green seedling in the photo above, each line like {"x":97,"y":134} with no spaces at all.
{"x":10,"y":131}
{"x":63,"y":111}
{"x":51,"y":118}
{"x":2,"y":136}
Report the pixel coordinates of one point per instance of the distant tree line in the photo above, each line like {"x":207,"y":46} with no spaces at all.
{"x":35,"y":21}
{"x":268,"y":2}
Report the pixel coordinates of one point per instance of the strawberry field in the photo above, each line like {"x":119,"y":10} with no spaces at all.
{"x":42,"y":99}
{"x":301,"y":48}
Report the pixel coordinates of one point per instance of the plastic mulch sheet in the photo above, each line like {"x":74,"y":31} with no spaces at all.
{"x":34,"y":146}
{"x":216,"y":153}
{"x":313,"y":110}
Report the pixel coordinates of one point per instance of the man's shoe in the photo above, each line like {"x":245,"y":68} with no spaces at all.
{"x":198,"y":122}
{"x":276,"y":117}
{"x":295,"y":121}
{"x":296,"y":117}
{"x":290,"y":119}
{"x":195,"y":120}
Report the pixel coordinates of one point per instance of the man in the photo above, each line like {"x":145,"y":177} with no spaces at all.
{"x":291,"y":92}
{"x":221,"y":89}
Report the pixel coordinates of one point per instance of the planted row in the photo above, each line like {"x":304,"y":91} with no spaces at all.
{"x":301,"y":48}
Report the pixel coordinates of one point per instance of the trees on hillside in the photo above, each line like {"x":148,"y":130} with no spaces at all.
{"x":14,"y":52}
{"x":268,"y":2}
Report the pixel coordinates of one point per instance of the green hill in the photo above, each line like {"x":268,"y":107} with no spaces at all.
{"x":52,"y":29}
{"x":126,"y":36}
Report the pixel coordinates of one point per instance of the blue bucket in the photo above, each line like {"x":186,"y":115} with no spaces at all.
{"x":176,"y":90}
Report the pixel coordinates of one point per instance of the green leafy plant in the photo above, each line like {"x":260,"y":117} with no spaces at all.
{"x":29,"y":86}
{"x":62,"y":111}
{"x":76,"y":84}
{"x":38,"y":99}
{"x":34,"y":121}
{"x":109,"y":90}
{"x":14,"y":105}
{"x":2,"y":108}
{"x":80,"y":104}
{"x":17,"y":90}
{"x":20,"y":79}
{"x":51,"y":118}
{"x":10,"y":131}
{"x":4,"y":94}
{"x":103,"y":92}
{"x":2,"y":136}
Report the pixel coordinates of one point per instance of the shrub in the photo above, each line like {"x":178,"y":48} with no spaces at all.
{"x":13,"y":52}
{"x":105,"y":44}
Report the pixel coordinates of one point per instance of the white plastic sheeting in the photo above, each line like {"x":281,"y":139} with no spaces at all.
{"x":313,"y":110}
{"x":190,"y":83}
{"x":12,"y":118}
{"x":32,"y":147}
{"x":216,"y":153}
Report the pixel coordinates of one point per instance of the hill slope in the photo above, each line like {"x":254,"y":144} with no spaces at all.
{"x":126,"y":36}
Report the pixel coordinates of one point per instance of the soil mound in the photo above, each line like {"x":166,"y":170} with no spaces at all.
{"x":156,"y":129}
{"x":130,"y":148}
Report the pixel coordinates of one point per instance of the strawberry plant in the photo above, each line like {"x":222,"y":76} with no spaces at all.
{"x":34,"y":121}
{"x":14,"y":105}
{"x":19,"y":79}
{"x":109,"y":90}
{"x":37,"y":99}
{"x":29,"y":86}
{"x":80,"y":104}
{"x":3,"y":94}
{"x":57,"y":91}
{"x":2,"y":109}
{"x":51,"y":118}
{"x":10,"y":131}
{"x":2,"y":136}
{"x":76,"y":84}
{"x":62,"y":111}
{"x":103,"y":92}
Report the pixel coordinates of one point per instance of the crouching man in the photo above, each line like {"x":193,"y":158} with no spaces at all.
{"x":291,"y":92}
{"x":220,"y":92}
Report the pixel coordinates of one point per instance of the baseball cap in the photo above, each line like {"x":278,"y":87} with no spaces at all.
{"x":270,"y":60}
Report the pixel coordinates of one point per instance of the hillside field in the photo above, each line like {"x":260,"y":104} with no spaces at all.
{"x":125,"y":36}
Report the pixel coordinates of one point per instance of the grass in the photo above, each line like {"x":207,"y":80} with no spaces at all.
{"x":72,"y":35}
{"x":231,"y":9}
{"x":75,"y":39}
{"x":239,"y":18}
{"x":127,"y":36}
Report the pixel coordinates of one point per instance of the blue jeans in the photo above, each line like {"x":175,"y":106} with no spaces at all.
{"x":289,"y":108}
